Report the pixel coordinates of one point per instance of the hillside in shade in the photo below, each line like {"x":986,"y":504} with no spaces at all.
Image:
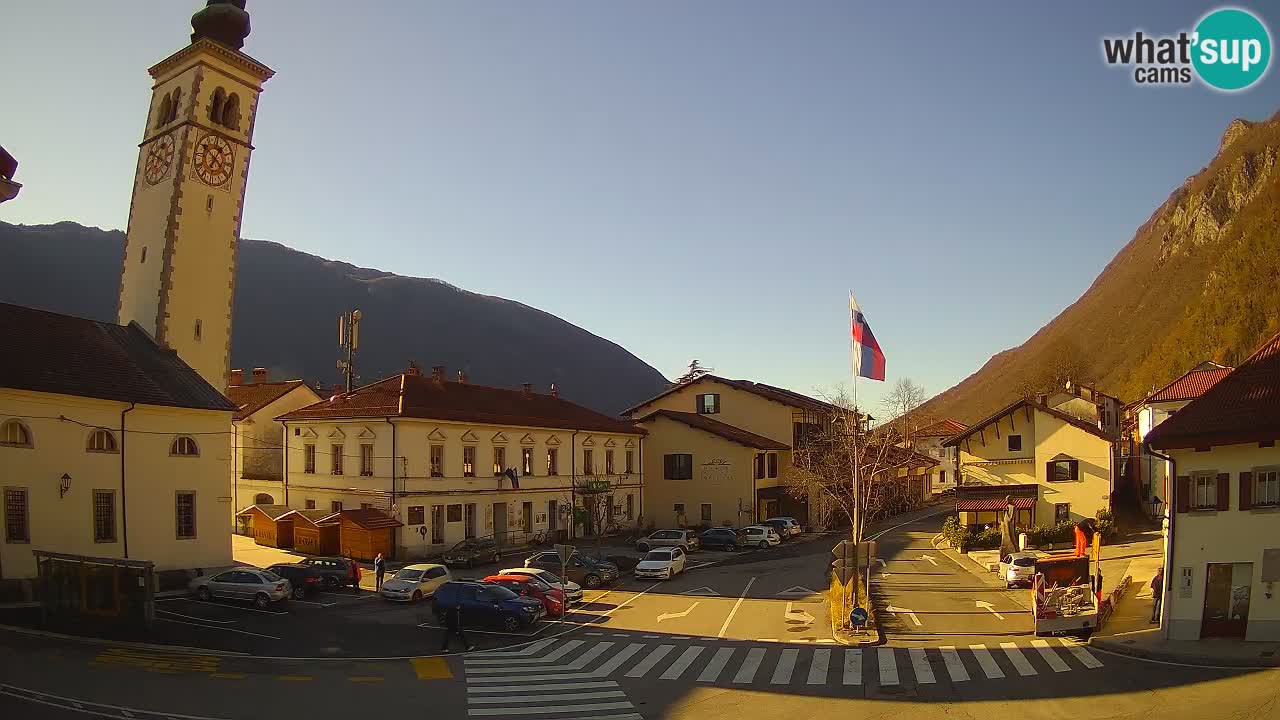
{"x":287,"y":304}
{"x":1197,"y":282}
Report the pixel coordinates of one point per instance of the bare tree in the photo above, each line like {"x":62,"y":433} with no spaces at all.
{"x":597,"y":506}
{"x":694,"y":372}
{"x":1065,"y":359}
{"x":901,"y":404}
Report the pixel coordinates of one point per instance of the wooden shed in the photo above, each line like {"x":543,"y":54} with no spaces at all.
{"x":269,"y":526}
{"x":315,"y":532}
{"x":367,"y":532}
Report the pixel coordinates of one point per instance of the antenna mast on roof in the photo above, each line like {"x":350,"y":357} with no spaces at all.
{"x":349,"y":343}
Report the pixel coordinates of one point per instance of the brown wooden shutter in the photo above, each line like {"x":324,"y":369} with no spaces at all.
{"x":1246,"y":490}
{"x":1075,"y":469}
{"x":1183,"y":492}
{"x":1048,"y":472}
{"x":1224,"y":491}
{"x":667,"y":463}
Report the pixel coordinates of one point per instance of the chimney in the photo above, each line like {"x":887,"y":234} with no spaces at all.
{"x":338,"y":389}
{"x":237,"y":377}
{"x":437,"y":374}
{"x":527,"y":389}
{"x":259,"y":375}
{"x":554,"y":392}
{"x":462,"y":377}
{"x":413,"y":370}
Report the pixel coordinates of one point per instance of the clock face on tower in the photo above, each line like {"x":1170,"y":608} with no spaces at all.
{"x":213,"y":160}
{"x":159,"y":158}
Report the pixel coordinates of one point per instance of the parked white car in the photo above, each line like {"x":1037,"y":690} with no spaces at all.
{"x":1018,"y":568}
{"x":761,"y":536}
{"x":791,"y":525}
{"x":572,"y":590}
{"x":662,"y":564}
{"x":415,"y":582}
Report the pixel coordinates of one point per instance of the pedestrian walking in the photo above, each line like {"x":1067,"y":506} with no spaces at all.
{"x":453,"y":626}
{"x":1157,"y":594}
{"x":379,"y":569}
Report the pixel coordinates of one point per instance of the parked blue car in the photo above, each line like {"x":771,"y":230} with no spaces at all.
{"x":486,"y":604}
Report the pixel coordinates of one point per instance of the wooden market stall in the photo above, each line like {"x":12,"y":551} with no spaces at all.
{"x":315,"y":532}
{"x":366,"y":532}
{"x":269,"y":525}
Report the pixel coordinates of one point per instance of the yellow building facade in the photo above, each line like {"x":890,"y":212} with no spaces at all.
{"x":257,"y":439}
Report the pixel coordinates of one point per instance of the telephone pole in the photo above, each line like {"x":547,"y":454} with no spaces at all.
{"x":348,"y":343}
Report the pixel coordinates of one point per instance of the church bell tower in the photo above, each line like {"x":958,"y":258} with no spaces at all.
{"x":179,"y":273}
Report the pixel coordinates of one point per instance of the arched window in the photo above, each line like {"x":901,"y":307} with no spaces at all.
{"x":215,"y":108}
{"x":263,"y":499}
{"x":184,"y":445}
{"x":231,"y":112}
{"x":101,"y":440}
{"x":177,"y":103}
{"x":166,"y":107}
{"x":14,"y":434}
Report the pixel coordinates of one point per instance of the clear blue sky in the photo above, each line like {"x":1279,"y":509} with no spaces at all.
{"x":689,"y":179}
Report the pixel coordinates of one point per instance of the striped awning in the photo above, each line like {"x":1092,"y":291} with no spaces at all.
{"x":993,"y":504}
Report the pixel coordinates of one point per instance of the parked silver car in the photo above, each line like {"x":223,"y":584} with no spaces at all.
{"x":686,"y":540}
{"x":260,"y":587}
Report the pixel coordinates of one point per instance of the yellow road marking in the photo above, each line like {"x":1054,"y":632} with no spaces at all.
{"x":366,"y":678}
{"x":155,"y":661}
{"x":294,"y":677}
{"x":228,"y":676}
{"x":431,"y":668}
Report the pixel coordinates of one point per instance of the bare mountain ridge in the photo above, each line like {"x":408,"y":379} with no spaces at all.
{"x":1195,"y":283}
{"x":287,"y":304}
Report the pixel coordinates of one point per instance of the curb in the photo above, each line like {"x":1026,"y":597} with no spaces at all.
{"x":1206,"y":661}
{"x":175,"y":649}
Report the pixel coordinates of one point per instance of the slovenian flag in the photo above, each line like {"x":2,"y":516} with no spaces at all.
{"x":868,"y":358}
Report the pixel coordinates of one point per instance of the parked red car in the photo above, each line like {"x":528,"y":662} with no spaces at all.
{"x":531,"y":586}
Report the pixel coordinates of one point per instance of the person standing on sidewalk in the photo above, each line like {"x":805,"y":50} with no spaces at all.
{"x":1157,"y":594}
{"x":379,"y":569}
{"x":453,"y":626}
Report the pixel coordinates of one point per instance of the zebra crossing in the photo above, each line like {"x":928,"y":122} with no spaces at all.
{"x":553,"y":679}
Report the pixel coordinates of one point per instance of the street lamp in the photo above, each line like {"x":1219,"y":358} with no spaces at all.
{"x":64,"y":486}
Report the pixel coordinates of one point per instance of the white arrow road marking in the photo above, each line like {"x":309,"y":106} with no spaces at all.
{"x":930,"y":559}
{"x":668,"y":616}
{"x":797,"y":591}
{"x":882,"y":563}
{"x":904,"y":611}
{"x":988,"y":608}
{"x":800,"y":615}
{"x":704,"y":590}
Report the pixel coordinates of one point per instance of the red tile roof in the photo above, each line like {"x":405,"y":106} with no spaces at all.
{"x":1242,"y":407}
{"x":47,"y":352}
{"x":312,"y":517}
{"x":955,"y":440}
{"x":1188,"y":387}
{"x":769,"y":392}
{"x":715,"y":427}
{"x":996,"y":504}
{"x":945,"y":427}
{"x":370,"y":518}
{"x":249,"y":399}
{"x":418,"y":396}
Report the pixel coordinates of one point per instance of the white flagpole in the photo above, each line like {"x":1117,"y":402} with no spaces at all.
{"x":856,"y":362}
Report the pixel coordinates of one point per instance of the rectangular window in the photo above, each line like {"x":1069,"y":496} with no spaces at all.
{"x":1266,"y":487}
{"x":455,"y":513}
{"x":553,"y":465}
{"x":1015,"y":443}
{"x":588,"y":461}
{"x":335,"y":459}
{"x":709,"y":404}
{"x":186,"y":515}
{"x":437,"y":461}
{"x":469,"y":461}
{"x":773,"y":464}
{"x":678,"y":466}
{"x":1064,"y":470}
{"x":499,"y":460}
{"x":417,"y":515}
{"x":104,"y":516}
{"x":366,"y":506}
{"x":437,"y":524}
{"x":366,"y":460}
{"x":706,"y":512}
{"x":1061,"y":513}
{"x":17,"y":527}
{"x":759,"y":466}
{"x":608,"y":462}
{"x":309,"y":459}
{"x":1204,"y":492}
{"x":311,"y":505}
{"x":335,"y":506}
{"x":526,"y":461}
{"x":630,"y":462}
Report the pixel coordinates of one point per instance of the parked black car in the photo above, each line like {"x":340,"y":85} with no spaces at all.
{"x":336,"y":571}
{"x":582,"y":569}
{"x":472,"y":552}
{"x":723,"y":538}
{"x":486,"y":604}
{"x":304,"y":579}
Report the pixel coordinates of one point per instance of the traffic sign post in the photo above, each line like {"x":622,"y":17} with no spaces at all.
{"x":565,"y":552}
{"x":858,"y":618}
{"x":845,"y":567}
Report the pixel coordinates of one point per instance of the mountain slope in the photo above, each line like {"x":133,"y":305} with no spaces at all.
{"x":287,"y":304}
{"x":1197,"y":282}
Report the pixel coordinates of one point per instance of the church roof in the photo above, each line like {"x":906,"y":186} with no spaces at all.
{"x":46,"y":352}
